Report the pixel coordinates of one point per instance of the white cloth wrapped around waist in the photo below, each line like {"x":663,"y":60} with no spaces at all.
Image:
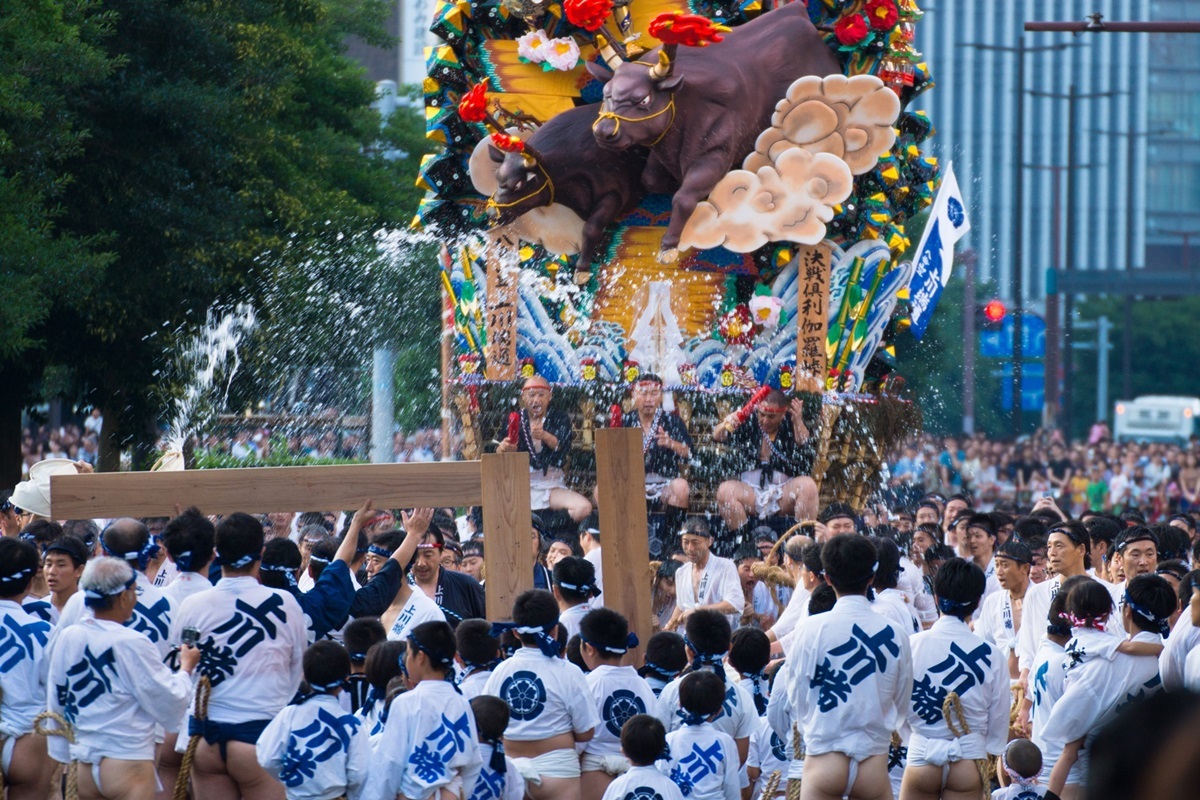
{"x":562,"y":763}
{"x":608,"y":764}
{"x":923,"y":751}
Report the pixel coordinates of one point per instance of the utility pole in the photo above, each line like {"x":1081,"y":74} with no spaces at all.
{"x":1018,"y":243}
{"x":968,"y":261}
{"x":1068,"y":300}
{"x":1053,"y":321}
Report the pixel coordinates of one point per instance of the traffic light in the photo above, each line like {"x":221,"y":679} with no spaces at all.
{"x":990,"y":316}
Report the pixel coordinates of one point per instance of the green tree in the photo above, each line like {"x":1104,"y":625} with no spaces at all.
{"x":46,"y":57}
{"x":226,"y":156}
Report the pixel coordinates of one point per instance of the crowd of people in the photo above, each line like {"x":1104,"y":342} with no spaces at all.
{"x":935,"y":644}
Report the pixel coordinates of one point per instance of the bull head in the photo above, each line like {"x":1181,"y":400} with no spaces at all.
{"x":639,"y":102}
{"x":523,"y":182}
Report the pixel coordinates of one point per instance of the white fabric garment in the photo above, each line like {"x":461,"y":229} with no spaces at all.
{"x":852,"y":680}
{"x":316,"y":750}
{"x":1016,"y":792}
{"x":540,"y":486}
{"x":1191,"y":671}
{"x":252,"y":639}
{"x":473,"y":685}
{"x":429,"y":742}
{"x":492,"y":785}
{"x":153,"y":613}
{"x":738,"y":718}
{"x":618,"y":694}
{"x":1035,"y":615}
{"x":779,"y":707}
{"x":546,"y":696}
{"x":912,"y":583}
{"x":995,"y":624}
{"x":891,"y":604}
{"x":167,"y":574}
{"x":793,"y":614}
{"x":598,"y":565}
{"x":110,"y":684}
{"x":372,"y":715}
{"x":571,"y":618}
{"x":185,"y":585}
{"x":704,"y":759}
{"x":1097,"y":686}
{"x":41,"y":607}
{"x":1046,"y":685}
{"x":640,"y":783}
{"x":949,"y":658}
{"x":23,"y":639}
{"x":718,"y":581}
{"x":768,"y":753}
{"x":417,"y":609}
{"x":1183,"y":640}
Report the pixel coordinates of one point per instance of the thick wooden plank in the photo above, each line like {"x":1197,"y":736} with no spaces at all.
{"x":263,"y":489}
{"x":507,"y":524}
{"x":624,"y":537}
{"x":812,"y":318}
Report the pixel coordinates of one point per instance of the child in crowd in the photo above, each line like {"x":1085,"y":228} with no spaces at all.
{"x":1022,"y":763}
{"x":707,"y":642}
{"x":574,"y":588}
{"x":643,"y":741}
{"x":703,"y":760}
{"x":618,"y":692}
{"x":551,"y":705}
{"x":359,"y":636}
{"x":749,"y":654}
{"x":478,"y":653}
{"x":498,"y":778}
{"x":381,"y":666}
{"x":666,"y":657}
{"x":430,"y":747}
{"x":314,"y":747}
{"x":769,"y":752}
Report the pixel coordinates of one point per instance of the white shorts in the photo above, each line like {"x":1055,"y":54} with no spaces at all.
{"x":613,"y":765}
{"x":541,"y":485}
{"x":555,"y":764}
{"x":655,"y":486}
{"x":923,"y":752}
{"x":766,"y":499}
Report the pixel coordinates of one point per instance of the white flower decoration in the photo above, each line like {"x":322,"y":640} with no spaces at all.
{"x":765,"y":311}
{"x":533,"y":46}
{"x":562,"y":53}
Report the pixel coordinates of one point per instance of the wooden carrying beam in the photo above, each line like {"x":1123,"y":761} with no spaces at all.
{"x":508,"y":554}
{"x":625,"y":546}
{"x":263,"y":489}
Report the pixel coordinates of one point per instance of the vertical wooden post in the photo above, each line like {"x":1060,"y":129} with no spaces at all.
{"x":507,"y":522}
{"x":624,"y":538}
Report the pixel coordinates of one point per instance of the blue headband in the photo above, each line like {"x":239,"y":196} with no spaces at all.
{"x":96,"y":599}
{"x":318,"y":559}
{"x":693,"y":719}
{"x":631,"y":641}
{"x":242,"y":562}
{"x":583,"y":588}
{"x":545,"y":642}
{"x":952,"y":608}
{"x":660,"y":671}
{"x":497,"y":763}
{"x":142,"y":557}
{"x":706,"y":660}
{"x":445,"y":662}
{"x":288,"y":572}
{"x":760,"y":699}
{"x":1162,"y":623}
{"x":378,"y":551}
{"x":184,"y":561}
{"x":16,"y":576}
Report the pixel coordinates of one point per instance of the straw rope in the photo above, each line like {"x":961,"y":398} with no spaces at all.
{"x":203,"y":690}
{"x":65,"y":730}
{"x":952,"y":709}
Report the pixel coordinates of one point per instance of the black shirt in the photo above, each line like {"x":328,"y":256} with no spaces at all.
{"x":661,"y":460}
{"x":460,"y":597}
{"x":558,"y":425}
{"x":788,"y":456}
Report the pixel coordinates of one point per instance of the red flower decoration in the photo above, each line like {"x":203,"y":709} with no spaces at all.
{"x":472,"y":106}
{"x":690,"y":30}
{"x":508,"y":143}
{"x":882,"y":14}
{"x":851,"y":29}
{"x":737,"y":326}
{"x":588,"y":14}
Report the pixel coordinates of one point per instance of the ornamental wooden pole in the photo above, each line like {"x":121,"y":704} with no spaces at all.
{"x":624,"y":537}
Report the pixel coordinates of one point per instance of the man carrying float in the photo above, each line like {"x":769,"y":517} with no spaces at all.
{"x":666,"y":445}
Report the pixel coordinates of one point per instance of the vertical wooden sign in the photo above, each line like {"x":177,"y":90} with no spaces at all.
{"x":502,"y":300}
{"x":624,"y":536}
{"x":507,"y":531}
{"x":812,"y":316}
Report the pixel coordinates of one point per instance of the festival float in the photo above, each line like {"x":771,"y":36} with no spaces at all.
{"x":726,"y":194}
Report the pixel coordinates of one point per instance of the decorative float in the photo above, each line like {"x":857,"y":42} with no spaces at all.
{"x":726,"y":194}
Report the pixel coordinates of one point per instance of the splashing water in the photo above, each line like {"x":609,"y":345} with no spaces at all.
{"x":214,"y":350}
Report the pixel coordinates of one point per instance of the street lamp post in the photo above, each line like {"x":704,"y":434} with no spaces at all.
{"x":1018,"y":215}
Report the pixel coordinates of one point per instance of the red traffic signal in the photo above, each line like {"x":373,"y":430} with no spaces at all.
{"x":994,"y":311}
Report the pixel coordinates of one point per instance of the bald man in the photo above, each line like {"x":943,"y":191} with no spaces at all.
{"x":545,"y":434}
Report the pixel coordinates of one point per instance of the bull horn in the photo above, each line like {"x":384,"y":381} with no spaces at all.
{"x":530,"y":155}
{"x":666,"y":63}
{"x":610,"y":51}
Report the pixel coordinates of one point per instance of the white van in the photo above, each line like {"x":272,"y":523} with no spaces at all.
{"x":1156,"y":418}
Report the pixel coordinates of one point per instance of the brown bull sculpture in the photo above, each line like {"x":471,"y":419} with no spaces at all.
{"x":701,"y":110}
{"x":563,"y":164}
